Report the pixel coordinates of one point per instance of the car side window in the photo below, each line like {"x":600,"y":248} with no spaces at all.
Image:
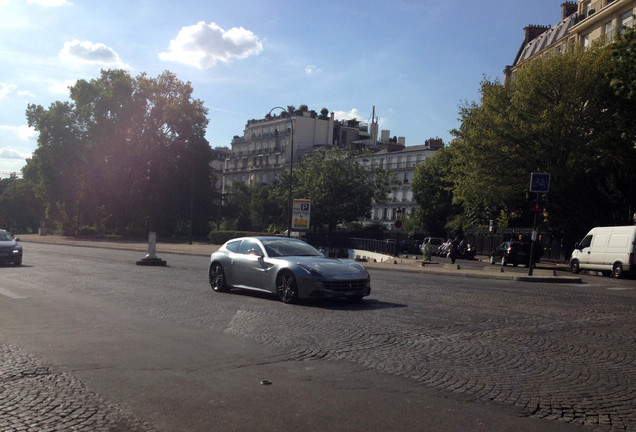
{"x":586,"y":242}
{"x":250,"y":247}
{"x":233,"y":246}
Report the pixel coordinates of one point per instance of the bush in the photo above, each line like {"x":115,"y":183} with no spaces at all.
{"x":220,"y":237}
{"x":87,"y":231}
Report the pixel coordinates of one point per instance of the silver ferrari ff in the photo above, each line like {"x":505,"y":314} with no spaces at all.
{"x":288,"y":267}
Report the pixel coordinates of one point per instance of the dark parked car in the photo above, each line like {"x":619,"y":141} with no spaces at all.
{"x":10,"y":250}
{"x":515,"y":253}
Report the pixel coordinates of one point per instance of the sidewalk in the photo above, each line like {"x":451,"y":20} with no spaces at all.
{"x":546,"y":272}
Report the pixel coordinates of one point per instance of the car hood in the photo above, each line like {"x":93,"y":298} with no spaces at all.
{"x":8,"y":244}
{"x":333,"y":267}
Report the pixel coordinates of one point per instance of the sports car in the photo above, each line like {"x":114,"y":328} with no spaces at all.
{"x":10,"y":249}
{"x":288,"y":267}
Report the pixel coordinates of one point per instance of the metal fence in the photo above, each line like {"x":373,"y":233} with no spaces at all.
{"x":555,"y":248}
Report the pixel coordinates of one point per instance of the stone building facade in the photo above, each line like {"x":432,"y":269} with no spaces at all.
{"x":582,"y":24}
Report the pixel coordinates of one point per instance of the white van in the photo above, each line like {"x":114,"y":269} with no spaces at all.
{"x":609,"y":250}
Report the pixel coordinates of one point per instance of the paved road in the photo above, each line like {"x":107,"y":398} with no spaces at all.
{"x":88,"y":341}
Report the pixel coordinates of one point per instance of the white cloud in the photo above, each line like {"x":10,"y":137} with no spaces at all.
{"x":26,"y":93}
{"x":89,"y":52}
{"x":24,"y":132}
{"x":61,"y":87}
{"x":347,"y":115}
{"x":8,"y":153}
{"x":312,"y":69}
{"x":203,"y":45}
{"x":5,"y":89}
{"x":51,"y":2}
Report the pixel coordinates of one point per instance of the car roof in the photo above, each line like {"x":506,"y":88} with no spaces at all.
{"x":261,"y":238}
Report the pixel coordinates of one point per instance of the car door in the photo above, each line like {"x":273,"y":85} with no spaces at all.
{"x":584,"y":247}
{"x":248,"y":265}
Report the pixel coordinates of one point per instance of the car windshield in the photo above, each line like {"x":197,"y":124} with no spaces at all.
{"x":5,"y":236}
{"x":285,"y":247}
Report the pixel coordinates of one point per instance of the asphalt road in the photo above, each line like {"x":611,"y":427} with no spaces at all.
{"x":90,"y":341}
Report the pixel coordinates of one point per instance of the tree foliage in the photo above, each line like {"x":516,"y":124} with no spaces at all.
{"x":340,"y":188}
{"x":561,"y":116}
{"x":125,"y":148}
{"x":20,"y":210}
{"x":433,"y":190}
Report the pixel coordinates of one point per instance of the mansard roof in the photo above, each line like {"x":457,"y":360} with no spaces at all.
{"x":548,"y":36}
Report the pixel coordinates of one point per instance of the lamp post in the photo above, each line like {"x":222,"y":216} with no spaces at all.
{"x":291,"y":167}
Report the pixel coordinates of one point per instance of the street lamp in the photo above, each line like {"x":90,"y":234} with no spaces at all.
{"x":291,"y":167}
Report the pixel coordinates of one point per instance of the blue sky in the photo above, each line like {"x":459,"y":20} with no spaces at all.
{"x":416,"y":61}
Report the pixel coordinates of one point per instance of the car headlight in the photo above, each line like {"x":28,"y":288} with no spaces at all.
{"x":360,"y":268}
{"x":16,"y":250}
{"x":310,"y":271}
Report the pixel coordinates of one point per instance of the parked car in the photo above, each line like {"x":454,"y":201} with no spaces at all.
{"x":436,"y":242}
{"x":514,"y":252}
{"x":288,"y":267}
{"x":10,"y":249}
{"x":609,"y":250}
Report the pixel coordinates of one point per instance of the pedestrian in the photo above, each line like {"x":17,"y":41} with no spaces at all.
{"x":428,"y":251}
{"x":454,"y":250}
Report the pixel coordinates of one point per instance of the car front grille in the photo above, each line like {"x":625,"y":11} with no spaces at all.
{"x":347,"y":285}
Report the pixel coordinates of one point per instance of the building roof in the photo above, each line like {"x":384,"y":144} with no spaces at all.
{"x":548,"y":37}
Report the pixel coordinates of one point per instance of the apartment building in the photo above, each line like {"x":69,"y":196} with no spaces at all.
{"x":582,"y":23}
{"x":402,"y":160}
{"x":264,"y":151}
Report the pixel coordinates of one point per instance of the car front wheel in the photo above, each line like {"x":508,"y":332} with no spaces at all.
{"x":217,"y":278}
{"x":286,"y":287}
{"x":574,"y":266}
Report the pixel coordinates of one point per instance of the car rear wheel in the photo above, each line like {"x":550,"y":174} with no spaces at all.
{"x":574,"y":266}
{"x":217,"y":278}
{"x":286,"y":287}
{"x":617,"y":270}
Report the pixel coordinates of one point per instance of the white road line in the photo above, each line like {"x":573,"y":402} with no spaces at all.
{"x":5,"y":292}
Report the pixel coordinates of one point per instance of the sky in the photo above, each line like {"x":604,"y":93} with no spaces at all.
{"x":416,"y":61}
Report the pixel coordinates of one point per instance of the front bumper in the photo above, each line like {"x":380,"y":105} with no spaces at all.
{"x":313,"y":288}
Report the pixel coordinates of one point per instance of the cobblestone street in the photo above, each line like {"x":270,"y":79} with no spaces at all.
{"x":562,"y":354}
{"x":34,"y":397}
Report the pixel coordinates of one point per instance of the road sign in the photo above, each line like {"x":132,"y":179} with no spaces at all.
{"x":397,"y":224}
{"x":300,"y":215}
{"x":539,"y":182}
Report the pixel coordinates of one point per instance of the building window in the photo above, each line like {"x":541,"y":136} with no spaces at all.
{"x":627,"y":19}
{"x":586,"y":41}
{"x":609,"y":31}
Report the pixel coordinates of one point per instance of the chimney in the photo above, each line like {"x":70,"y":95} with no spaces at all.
{"x":567,"y":9}
{"x":533,"y":31}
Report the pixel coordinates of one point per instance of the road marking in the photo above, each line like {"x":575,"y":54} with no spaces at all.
{"x":5,"y":292}
{"x":620,"y":288}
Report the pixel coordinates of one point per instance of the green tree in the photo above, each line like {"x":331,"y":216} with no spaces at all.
{"x":20,"y":209}
{"x":126,"y":148}
{"x":341,"y":189}
{"x":433,"y":191}
{"x":560,"y":116}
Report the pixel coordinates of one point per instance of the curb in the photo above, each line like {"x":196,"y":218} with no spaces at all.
{"x":404,"y":266}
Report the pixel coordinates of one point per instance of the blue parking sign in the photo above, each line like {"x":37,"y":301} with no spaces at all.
{"x":539,"y":182}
